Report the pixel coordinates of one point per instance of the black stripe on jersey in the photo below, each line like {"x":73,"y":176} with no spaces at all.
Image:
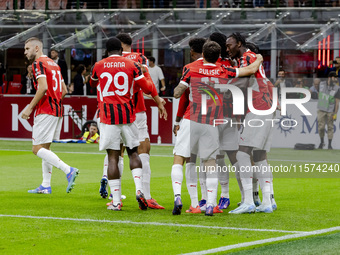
{"x":199,"y":117}
{"x":127,"y":111}
{"x":231,"y":70}
{"x":60,"y":107}
{"x":207,"y":118}
{"x":112,"y":114}
{"x":41,"y":67}
{"x":194,"y":106}
{"x":136,"y":98}
{"x":105,"y":110}
{"x":144,"y":59}
{"x":131,"y":106}
{"x":35,"y":70}
{"x":50,"y":101}
{"x":139,"y":70}
{"x":216,"y":112}
{"x":56,"y":107}
{"x":248,"y":60}
{"x":120,"y":113}
{"x":185,"y":72}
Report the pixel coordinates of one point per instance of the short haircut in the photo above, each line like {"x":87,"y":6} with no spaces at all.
{"x":281,"y":70}
{"x":94,"y":124}
{"x":239,"y":38}
{"x":253,"y":47}
{"x":211,"y":51}
{"x":80,"y":68}
{"x":196,"y":44}
{"x":221,"y":40}
{"x":125,"y":38}
{"x":152,"y":59}
{"x":55,"y":50}
{"x":113,"y":44}
{"x":35,"y":40}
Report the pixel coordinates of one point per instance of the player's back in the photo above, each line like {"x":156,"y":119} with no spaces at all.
{"x":51,"y":102}
{"x":116,"y":75}
{"x":262,"y":96}
{"x":138,"y":94}
{"x":201,"y":79}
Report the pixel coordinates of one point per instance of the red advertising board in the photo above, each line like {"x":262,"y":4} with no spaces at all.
{"x":77,"y":110}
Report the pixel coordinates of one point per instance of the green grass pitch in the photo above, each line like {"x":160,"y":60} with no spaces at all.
{"x":306,"y":202}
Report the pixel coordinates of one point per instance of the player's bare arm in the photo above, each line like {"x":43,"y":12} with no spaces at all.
{"x":64,"y":90}
{"x":162,"y":111}
{"x":179,"y":90}
{"x":42,"y":88}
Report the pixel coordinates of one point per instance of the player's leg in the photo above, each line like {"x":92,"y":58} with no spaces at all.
{"x":177,"y":180}
{"x":191,"y":181}
{"x":264,"y":177}
{"x":114,"y":179}
{"x":321,"y":127}
{"x":202,"y":176}
{"x":330,"y":129}
{"x":256,"y":184}
{"x":144,"y":154}
{"x":246,"y":175}
{"x":130,"y":139}
{"x":46,"y":128}
{"x":103,"y":182}
{"x":223,"y":178}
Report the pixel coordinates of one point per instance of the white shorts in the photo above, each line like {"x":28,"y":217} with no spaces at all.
{"x":46,"y":128}
{"x":196,"y":138}
{"x":229,"y":136}
{"x":259,"y":137}
{"x":142,"y":126}
{"x":111,"y":136}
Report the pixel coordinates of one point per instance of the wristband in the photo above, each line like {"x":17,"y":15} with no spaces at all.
{"x":176,"y":123}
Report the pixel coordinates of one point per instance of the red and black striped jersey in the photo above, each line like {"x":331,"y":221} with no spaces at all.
{"x":183,"y":103}
{"x":51,"y":101}
{"x":138,"y":94}
{"x":201,"y":78}
{"x":118,"y":77}
{"x":262,"y":96}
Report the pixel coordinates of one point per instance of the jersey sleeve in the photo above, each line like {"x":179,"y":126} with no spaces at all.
{"x":143,"y":60}
{"x":247,"y":59}
{"x":94,"y":76}
{"x":142,"y":82}
{"x":38,"y":70}
{"x":231,"y":72}
{"x":183,"y":103}
{"x":185,"y":79}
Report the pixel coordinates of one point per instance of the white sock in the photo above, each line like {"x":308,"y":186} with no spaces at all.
{"x":256,"y":176}
{"x":177,"y":178}
{"x":212,"y":185}
{"x":106,"y":165}
{"x":121,"y":165}
{"x":191,"y":180}
{"x":202,"y":175}
{"x":271,"y":185}
{"x":238,"y":178}
{"x":115,"y":186}
{"x":47,"y":173}
{"x":223,"y":177}
{"x":145,"y":158}
{"x":53,"y":159}
{"x":246,"y":176}
{"x":264,"y":180}
{"x":137,"y":177}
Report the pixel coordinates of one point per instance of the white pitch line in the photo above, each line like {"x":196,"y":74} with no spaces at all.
{"x":150,"y":223}
{"x":170,"y":156}
{"x":265,"y":241}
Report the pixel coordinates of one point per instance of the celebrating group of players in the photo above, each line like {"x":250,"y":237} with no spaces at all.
{"x":122,"y":78}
